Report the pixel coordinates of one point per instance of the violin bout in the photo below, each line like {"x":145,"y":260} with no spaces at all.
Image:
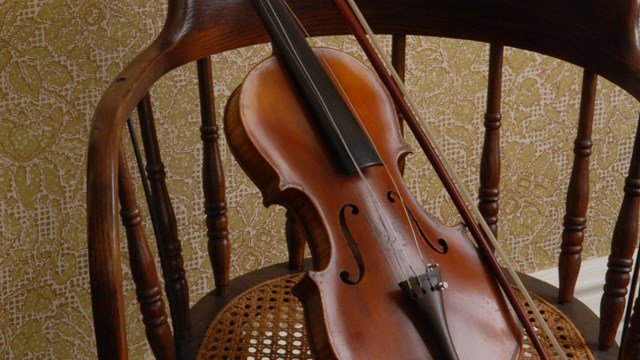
{"x":354,"y":306}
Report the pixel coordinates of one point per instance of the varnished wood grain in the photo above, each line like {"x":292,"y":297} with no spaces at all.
{"x":489,"y":192}
{"x":623,"y":243}
{"x":143,"y":269}
{"x":575,"y":218}
{"x":165,"y":226}
{"x":597,"y":35}
{"x":368,"y":317}
{"x":213,"y":184}
{"x":296,"y":238}
{"x":630,"y":348}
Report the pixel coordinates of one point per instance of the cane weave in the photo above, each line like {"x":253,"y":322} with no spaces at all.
{"x":266,"y":322}
{"x":568,"y":336}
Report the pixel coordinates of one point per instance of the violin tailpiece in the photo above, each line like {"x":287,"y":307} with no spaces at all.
{"x":425,"y":292}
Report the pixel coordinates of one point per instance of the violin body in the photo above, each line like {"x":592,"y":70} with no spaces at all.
{"x":356,"y":225}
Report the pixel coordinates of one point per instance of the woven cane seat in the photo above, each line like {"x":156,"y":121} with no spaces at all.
{"x":267,"y":322}
{"x":569,"y":337}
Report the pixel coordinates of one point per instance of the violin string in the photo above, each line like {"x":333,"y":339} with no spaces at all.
{"x":356,"y":114}
{"x":384,"y":220}
{"x":394,"y":184}
{"x":467,"y":197}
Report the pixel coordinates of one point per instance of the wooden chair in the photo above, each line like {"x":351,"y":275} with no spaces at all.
{"x":599,"y":36}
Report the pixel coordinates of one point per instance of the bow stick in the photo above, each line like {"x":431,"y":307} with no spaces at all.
{"x":448,"y":177}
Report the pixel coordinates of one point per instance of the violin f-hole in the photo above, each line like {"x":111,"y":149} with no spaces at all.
{"x":391,"y":195}
{"x":353,"y":247}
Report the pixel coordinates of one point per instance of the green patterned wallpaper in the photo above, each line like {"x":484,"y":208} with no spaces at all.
{"x":56,"y":59}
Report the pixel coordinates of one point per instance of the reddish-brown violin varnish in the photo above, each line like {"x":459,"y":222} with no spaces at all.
{"x":272,"y":137}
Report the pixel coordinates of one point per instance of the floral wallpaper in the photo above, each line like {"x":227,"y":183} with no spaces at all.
{"x":56,"y":59}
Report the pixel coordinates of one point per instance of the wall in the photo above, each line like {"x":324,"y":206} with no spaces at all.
{"x":56,"y":59}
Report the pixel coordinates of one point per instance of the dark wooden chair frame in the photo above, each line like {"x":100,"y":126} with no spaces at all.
{"x":600,"y":36}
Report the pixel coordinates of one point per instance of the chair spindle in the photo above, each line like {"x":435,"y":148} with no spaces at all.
{"x":296,"y":239}
{"x":143,"y":268}
{"x":169,"y":246}
{"x":398,"y":61}
{"x":577,"y":194}
{"x":399,"y":54}
{"x":215,"y":203}
{"x":620,"y":261}
{"x":489,"y":191}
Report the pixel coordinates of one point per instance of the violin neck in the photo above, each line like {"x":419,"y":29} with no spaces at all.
{"x":350,"y":146}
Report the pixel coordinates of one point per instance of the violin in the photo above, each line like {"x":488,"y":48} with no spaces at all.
{"x":317,"y":132}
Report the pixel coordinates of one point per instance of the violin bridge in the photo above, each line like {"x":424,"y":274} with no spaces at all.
{"x":425,"y":292}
